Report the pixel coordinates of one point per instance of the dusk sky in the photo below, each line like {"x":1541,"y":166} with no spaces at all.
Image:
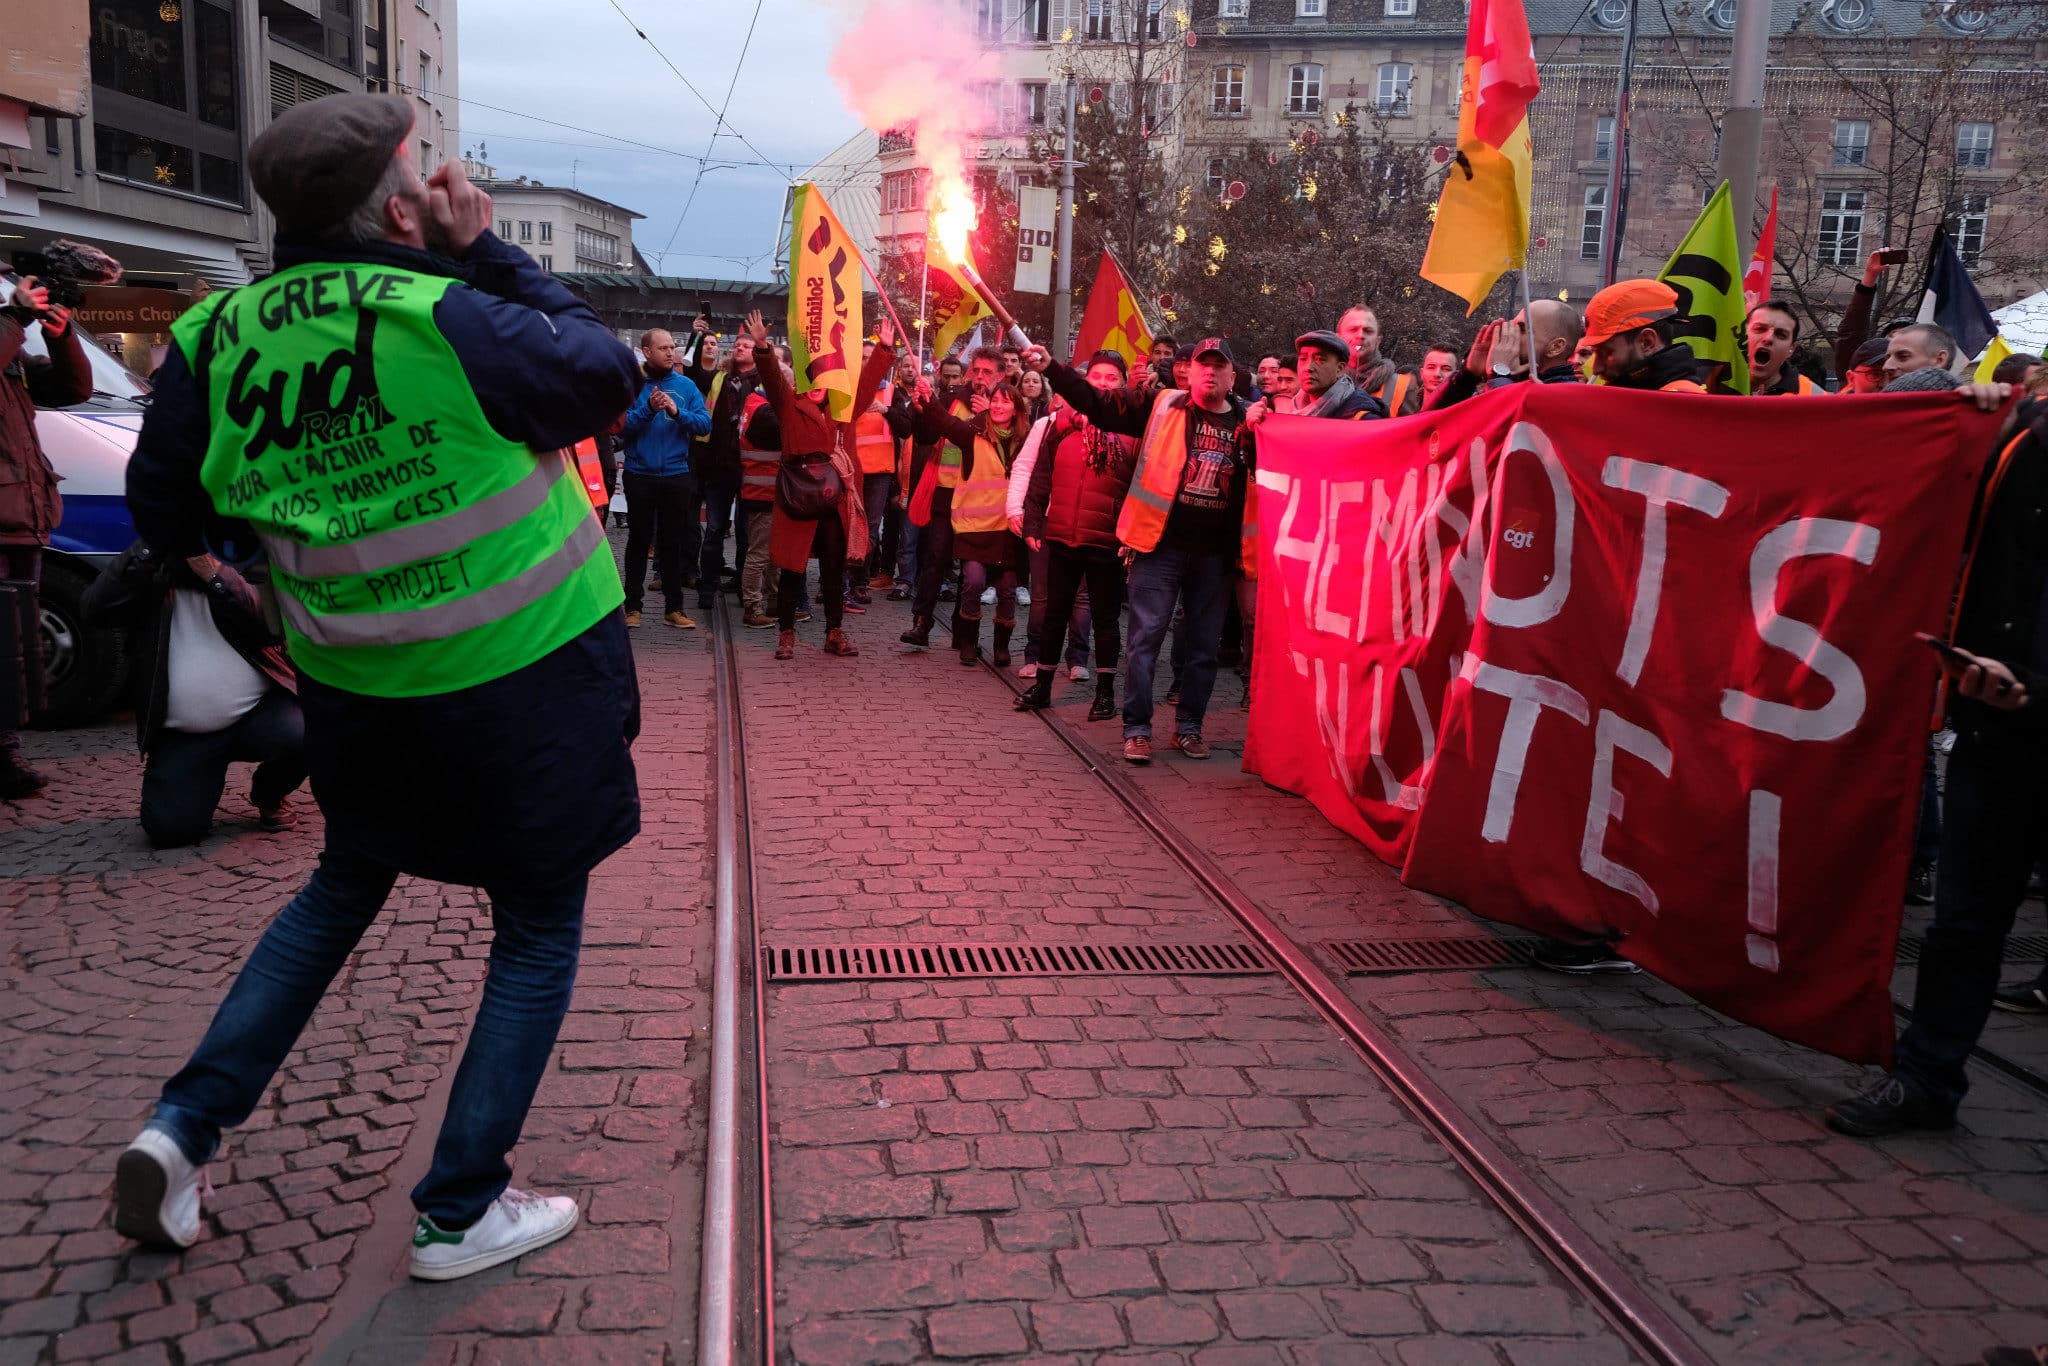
{"x":577,"y":62}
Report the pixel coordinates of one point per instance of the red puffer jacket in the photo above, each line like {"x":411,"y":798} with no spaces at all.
{"x":1078,"y":485}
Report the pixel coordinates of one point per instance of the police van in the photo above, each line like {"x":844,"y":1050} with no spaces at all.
{"x":89,"y":446}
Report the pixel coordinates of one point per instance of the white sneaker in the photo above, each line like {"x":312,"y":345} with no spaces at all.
{"x":988,"y":596}
{"x":157,"y":1192}
{"x":1028,"y":669}
{"x":1078,"y":674}
{"x":1023,"y":596}
{"x":516,"y":1223}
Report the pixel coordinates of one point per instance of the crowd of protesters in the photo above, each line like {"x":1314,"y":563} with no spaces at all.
{"x":1112,"y":501}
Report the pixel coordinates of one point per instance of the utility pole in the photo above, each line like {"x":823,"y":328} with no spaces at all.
{"x":1137,"y":166}
{"x":1063,"y":281}
{"x":1742,"y":127}
{"x":1617,"y":171}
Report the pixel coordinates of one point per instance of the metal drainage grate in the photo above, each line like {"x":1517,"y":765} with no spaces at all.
{"x":867,"y":962}
{"x":2019,"y":948}
{"x":1359,"y":956}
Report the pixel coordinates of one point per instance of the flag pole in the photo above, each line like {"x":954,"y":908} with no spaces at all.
{"x":924,"y":289}
{"x":1529,"y":322}
{"x":883,"y":294}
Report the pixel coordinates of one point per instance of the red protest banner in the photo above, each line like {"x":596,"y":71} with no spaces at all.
{"x":1595,"y":661}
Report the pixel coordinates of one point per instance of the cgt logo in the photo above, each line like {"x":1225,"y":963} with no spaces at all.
{"x":1519,"y":536}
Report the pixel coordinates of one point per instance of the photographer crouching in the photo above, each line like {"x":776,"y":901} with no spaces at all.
{"x":29,"y":505}
{"x":220,"y":690}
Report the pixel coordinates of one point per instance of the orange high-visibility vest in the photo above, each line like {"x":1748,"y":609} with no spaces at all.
{"x":980,"y":501}
{"x":757,"y":467}
{"x":874,"y":444}
{"x":1682,"y":386}
{"x":1162,"y":458}
{"x":711,"y":402}
{"x":583,"y":459}
{"x":1397,"y":387}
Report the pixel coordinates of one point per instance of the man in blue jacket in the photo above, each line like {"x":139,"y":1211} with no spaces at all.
{"x":662,"y":495}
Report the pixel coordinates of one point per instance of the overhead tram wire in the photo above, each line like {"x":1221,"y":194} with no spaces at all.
{"x":689,"y":86}
{"x":704,"y":167}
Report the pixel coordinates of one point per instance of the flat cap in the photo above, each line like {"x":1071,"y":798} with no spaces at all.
{"x":317,"y":161}
{"x":1327,"y":341}
{"x":1871,"y":354}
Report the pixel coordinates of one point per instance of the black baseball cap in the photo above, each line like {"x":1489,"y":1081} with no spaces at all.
{"x":1213,"y":346}
{"x":1110,"y":358}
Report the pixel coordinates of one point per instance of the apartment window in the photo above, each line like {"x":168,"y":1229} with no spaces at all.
{"x":599,"y":249}
{"x":329,"y":34}
{"x":547,"y":262}
{"x":988,"y":20}
{"x":1033,"y":18}
{"x":525,"y":230}
{"x":1233,"y":9}
{"x":1031,"y":97}
{"x":1967,"y":222}
{"x":1852,"y":142}
{"x":504,"y":229}
{"x":1611,"y":13}
{"x":1152,"y":18}
{"x":547,"y":231}
{"x":1593,"y":223}
{"x":988,"y":102}
{"x":1973,"y":145}
{"x":1841,"y":228}
{"x":1400,"y":9}
{"x":1305,"y":87}
{"x":1310,"y":9}
{"x":1603,"y":138}
{"x":425,"y":163}
{"x":1226,"y":91}
{"x":1218,"y":177}
{"x":1099,"y":19}
{"x":1395,"y":78}
{"x":174,"y":77}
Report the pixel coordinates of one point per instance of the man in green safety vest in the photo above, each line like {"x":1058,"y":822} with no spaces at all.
{"x":386,"y":414}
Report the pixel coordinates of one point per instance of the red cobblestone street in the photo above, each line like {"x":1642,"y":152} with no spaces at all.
{"x":1148,"y":1168}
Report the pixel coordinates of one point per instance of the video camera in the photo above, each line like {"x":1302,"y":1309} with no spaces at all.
{"x":65,"y":267}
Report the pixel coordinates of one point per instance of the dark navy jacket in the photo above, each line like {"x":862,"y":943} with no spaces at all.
{"x":522,"y":783}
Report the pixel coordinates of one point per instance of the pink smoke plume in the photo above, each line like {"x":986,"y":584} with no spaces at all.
{"x":911,"y":64}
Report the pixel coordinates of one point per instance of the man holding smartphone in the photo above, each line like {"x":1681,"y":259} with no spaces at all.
{"x":1997,"y":801}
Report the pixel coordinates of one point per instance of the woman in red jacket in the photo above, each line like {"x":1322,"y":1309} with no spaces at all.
{"x":982,"y":540}
{"x":811,"y":438}
{"x":1077,"y":489}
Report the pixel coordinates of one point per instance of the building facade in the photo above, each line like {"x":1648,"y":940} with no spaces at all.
{"x":562,"y":228}
{"x":154,"y":167}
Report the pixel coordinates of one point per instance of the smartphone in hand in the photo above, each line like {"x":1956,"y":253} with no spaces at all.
{"x":1893,"y":256}
{"x":1953,"y":661}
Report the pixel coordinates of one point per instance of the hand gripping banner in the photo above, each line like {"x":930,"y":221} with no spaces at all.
{"x":1600,"y":662}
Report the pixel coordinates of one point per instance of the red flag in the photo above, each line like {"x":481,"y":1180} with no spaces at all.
{"x":1112,"y":321}
{"x":1597,"y":661}
{"x":1500,"y":68}
{"x":1756,"y":281}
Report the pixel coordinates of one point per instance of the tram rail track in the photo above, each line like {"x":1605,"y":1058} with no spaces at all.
{"x":737,"y":1309}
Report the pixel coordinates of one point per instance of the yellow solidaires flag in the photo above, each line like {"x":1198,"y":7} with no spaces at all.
{"x":1482,"y":216}
{"x":824,"y":301}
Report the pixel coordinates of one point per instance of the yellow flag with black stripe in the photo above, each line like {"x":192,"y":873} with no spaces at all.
{"x":1706,"y":270}
{"x":952,"y":303}
{"x":824,"y":301}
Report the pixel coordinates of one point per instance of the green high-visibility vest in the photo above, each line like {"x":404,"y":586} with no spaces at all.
{"x":416,"y":550}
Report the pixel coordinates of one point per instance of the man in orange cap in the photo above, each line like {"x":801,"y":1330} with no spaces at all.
{"x":1630,"y":326}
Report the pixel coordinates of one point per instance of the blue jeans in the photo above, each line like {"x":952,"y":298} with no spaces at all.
{"x":906,"y":555}
{"x":1996,"y":803}
{"x":1927,"y":828}
{"x":1201,"y":582}
{"x":182,"y":782}
{"x":537,"y":933}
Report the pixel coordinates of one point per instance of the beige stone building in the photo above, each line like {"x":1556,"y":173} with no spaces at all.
{"x":561,"y":227}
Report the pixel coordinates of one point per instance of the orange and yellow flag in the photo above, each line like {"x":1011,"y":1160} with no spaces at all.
{"x":1113,"y":321}
{"x":952,"y":305}
{"x":1482,"y":217}
{"x":824,"y":301}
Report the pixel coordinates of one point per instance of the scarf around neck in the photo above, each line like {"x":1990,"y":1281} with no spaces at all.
{"x":1333,"y":398}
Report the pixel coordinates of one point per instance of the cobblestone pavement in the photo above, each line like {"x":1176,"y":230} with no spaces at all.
{"x":1688,"y":1144}
{"x":1136,"y":1169}
{"x":115,"y":958}
{"x":1133,"y":1169}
